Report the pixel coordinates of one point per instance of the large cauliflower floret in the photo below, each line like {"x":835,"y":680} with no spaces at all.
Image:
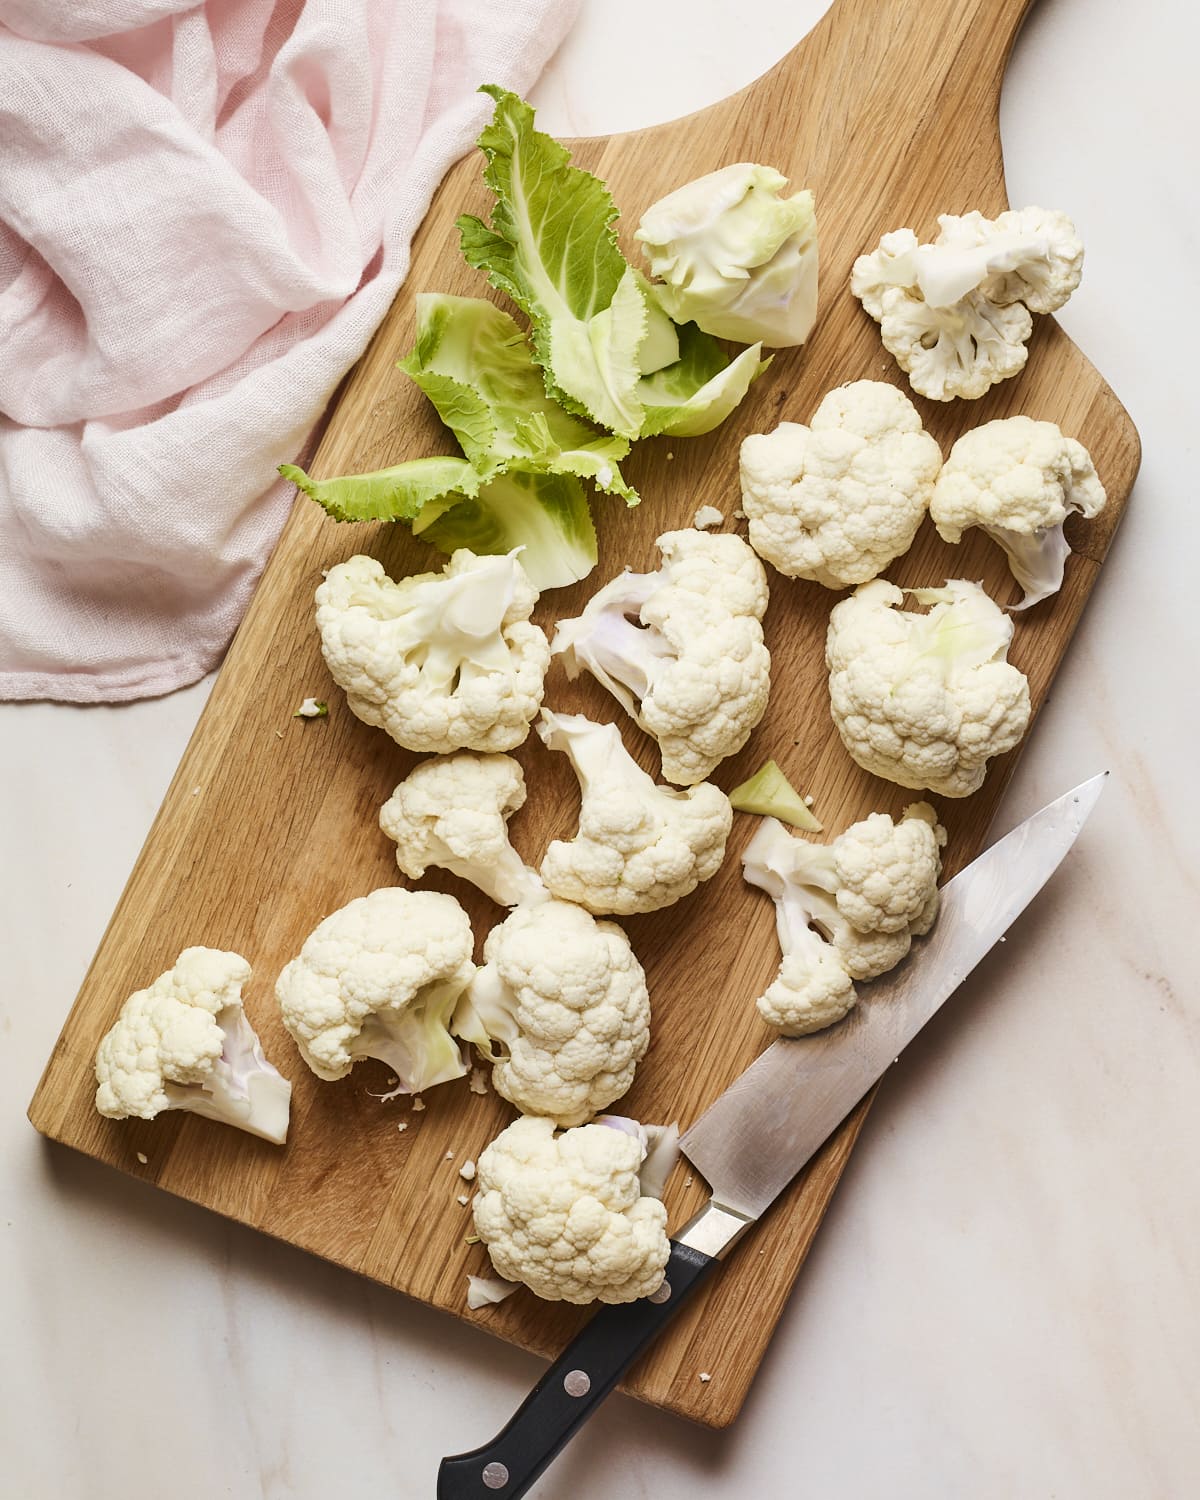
{"x":681,"y":649}
{"x":640,"y":846}
{"x":925,"y":700}
{"x":442,"y":661}
{"x":1018,"y":480}
{"x":565,"y":1214}
{"x":380,"y":978}
{"x":453,"y":812}
{"x":837,"y":501}
{"x":561,"y":1009}
{"x":185,"y":1044}
{"x":956,"y":313}
{"x":844,"y":911}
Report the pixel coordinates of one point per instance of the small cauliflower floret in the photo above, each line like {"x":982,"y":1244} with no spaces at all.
{"x":1018,"y":480}
{"x":956,"y":313}
{"x":380,"y":978}
{"x":925,"y":700}
{"x":561,"y":1008}
{"x":837,"y":501}
{"x":735,"y":257}
{"x":185,"y":1044}
{"x":681,"y":649}
{"x":565,"y":1215}
{"x":640,"y":846}
{"x":453,"y":812}
{"x":442,"y":661}
{"x":844,"y":911}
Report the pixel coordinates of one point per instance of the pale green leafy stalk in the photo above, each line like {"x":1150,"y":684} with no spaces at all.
{"x":475,"y":365}
{"x":400,"y":493}
{"x":771,"y":795}
{"x":700,"y":389}
{"x":551,"y":247}
{"x":546,"y":514}
{"x":599,"y":331}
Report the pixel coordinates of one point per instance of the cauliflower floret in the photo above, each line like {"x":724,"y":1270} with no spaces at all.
{"x":837,"y":501}
{"x":185,"y":1044}
{"x":561,"y":1008}
{"x":640,"y":846}
{"x":1018,"y":480}
{"x":441,"y":661}
{"x":844,"y":911}
{"x":565,"y":1214}
{"x":681,"y":649}
{"x":925,"y":700}
{"x":956,"y":313}
{"x":380,"y":978}
{"x":453,"y":812}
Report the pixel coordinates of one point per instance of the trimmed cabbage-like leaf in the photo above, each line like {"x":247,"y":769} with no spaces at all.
{"x":400,"y":493}
{"x":546,"y":515}
{"x":700,"y":389}
{"x":770,"y":794}
{"x":475,"y":365}
{"x":552,"y":249}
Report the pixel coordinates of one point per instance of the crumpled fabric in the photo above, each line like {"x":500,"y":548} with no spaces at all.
{"x":205,"y":212}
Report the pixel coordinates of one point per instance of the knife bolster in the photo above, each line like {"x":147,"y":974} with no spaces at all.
{"x":714,"y":1231}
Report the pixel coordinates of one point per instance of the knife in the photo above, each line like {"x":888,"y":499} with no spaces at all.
{"x":753,"y":1140}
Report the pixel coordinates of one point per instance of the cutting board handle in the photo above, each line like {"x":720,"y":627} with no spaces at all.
{"x":934,"y":67}
{"x":942,"y":34}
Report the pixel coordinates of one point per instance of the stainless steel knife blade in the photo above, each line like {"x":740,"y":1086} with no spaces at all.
{"x":761,"y":1131}
{"x":753,"y":1140}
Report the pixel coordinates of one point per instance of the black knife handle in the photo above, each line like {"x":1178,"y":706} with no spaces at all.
{"x":570,"y":1390}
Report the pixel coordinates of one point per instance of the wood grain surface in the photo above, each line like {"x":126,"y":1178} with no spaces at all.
{"x":888,"y":110}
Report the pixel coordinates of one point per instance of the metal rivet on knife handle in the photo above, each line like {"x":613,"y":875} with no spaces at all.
{"x":577,"y":1383}
{"x":495,"y":1476}
{"x":663,"y":1294}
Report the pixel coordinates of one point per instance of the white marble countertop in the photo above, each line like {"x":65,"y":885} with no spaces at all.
{"x":1005,"y":1298}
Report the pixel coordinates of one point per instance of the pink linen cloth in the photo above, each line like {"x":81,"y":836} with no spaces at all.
{"x":205,"y":212}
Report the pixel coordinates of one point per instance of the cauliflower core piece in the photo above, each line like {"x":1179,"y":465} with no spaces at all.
{"x":565,"y":1214}
{"x":925,"y":700}
{"x":837,"y":501}
{"x":185,"y":1043}
{"x":442,"y":661}
{"x":956,"y":313}
{"x":681,"y":649}
{"x":380,"y":978}
{"x":561,"y":1008}
{"x":1018,"y":480}
{"x":453,"y":812}
{"x":640,"y":846}
{"x":845,"y":911}
{"x":735,"y":257}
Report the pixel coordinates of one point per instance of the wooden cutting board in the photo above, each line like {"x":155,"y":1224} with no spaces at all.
{"x":888,"y":110}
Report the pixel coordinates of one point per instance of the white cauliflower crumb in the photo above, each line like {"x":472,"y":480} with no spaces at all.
{"x":477,"y":1082}
{"x":449,"y":1156}
{"x":402,"y":1126}
{"x":142,"y":1157}
{"x":707,"y":517}
{"x":464,"y":1199}
{"x":311,"y":708}
{"x":418,"y":1104}
{"x":704,"y":1377}
{"x":467,"y":1170}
